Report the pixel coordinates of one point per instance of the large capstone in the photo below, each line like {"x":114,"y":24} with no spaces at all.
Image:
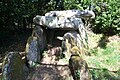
{"x":32,"y":49}
{"x":68,"y":19}
{"x":72,"y":13}
{"x":58,"y":22}
{"x":14,"y":67}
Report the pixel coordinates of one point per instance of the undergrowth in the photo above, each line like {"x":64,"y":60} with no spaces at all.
{"x":104,"y":62}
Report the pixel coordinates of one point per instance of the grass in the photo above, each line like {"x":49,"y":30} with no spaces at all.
{"x":105,"y":61}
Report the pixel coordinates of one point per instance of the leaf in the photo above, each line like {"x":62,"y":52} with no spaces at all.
{"x":97,"y":21}
{"x":118,"y":28}
{"x":104,"y":15}
{"x":98,"y":8}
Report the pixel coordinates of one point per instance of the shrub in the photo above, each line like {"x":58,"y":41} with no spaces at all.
{"x":107,"y":17}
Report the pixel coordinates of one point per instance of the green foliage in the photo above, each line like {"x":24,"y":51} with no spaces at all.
{"x":104,"y":62}
{"x":76,"y":4}
{"x":14,"y":11}
{"x":107,"y":17}
{"x":103,"y":74}
{"x":77,"y":74}
{"x":107,"y":12}
{"x":21,"y":12}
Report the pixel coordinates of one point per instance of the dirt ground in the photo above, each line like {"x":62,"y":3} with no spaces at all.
{"x":54,"y":70}
{"x":51,"y":69}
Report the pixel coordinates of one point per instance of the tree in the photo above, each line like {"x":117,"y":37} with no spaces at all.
{"x":19,"y":13}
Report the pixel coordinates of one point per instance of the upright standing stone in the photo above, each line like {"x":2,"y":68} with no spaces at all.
{"x":40,"y":34}
{"x":79,"y":68}
{"x":71,"y":39}
{"x":13,"y":67}
{"x":32,"y":49}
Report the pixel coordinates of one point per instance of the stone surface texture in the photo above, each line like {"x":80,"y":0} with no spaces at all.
{"x":68,"y":19}
{"x":13,"y":67}
{"x":32,"y":49}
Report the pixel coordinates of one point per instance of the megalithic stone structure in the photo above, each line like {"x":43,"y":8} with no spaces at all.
{"x":65,"y":25}
{"x":14,"y":67}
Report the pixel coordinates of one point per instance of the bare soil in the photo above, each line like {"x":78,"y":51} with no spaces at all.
{"x":51,"y":69}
